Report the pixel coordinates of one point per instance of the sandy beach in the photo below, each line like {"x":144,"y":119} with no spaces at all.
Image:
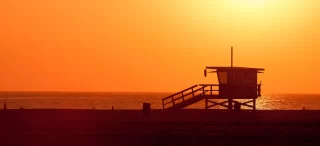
{"x":184,"y":127}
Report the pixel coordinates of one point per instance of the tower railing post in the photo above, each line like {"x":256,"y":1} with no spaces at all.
{"x":182,"y":96}
{"x":172,"y":100}
{"x":203,"y":93}
{"x":192,"y":93}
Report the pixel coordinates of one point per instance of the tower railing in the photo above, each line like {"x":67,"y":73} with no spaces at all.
{"x":210,"y":89}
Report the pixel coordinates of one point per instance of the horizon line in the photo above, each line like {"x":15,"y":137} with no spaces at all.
{"x":61,"y":91}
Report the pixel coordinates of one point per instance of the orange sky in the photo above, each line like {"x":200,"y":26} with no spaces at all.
{"x":160,"y":45}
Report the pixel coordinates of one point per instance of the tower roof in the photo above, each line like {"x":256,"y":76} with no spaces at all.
{"x":225,"y":68}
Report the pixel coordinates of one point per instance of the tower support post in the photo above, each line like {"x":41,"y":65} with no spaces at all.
{"x":230,"y":104}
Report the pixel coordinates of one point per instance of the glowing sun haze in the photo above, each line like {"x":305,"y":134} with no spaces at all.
{"x":156,"y":45}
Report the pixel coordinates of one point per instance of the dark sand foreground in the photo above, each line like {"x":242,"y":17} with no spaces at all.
{"x":185,"y":127}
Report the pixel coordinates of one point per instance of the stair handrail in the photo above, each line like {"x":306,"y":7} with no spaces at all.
{"x":181,"y":92}
{"x":187,"y":94}
{"x":208,"y":85}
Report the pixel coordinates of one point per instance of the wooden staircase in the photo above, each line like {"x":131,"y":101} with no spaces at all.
{"x":186,"y":97}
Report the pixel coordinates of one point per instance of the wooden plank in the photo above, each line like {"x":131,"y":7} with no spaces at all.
{"x":167,"y":103}
{"x":217,"y":103}
{"x":210,"y":106}
{"x":247,"y":102}
{"x":165,"y":100}
{"x":208,"y":84}
{"x":219,"y":97}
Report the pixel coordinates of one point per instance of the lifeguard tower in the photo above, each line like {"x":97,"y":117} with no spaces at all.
{"x":238,"y":86}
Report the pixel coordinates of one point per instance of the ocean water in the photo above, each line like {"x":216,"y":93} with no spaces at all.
{"x":135,"y":101}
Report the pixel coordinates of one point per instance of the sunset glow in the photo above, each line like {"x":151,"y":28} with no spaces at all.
{"x":158,"y":45}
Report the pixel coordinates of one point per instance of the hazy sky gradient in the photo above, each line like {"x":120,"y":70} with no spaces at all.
{"x":156,"y":45}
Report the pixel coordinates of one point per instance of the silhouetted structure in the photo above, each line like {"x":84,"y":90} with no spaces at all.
{"x":146,"y":109}
{"x":234,"y":83}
